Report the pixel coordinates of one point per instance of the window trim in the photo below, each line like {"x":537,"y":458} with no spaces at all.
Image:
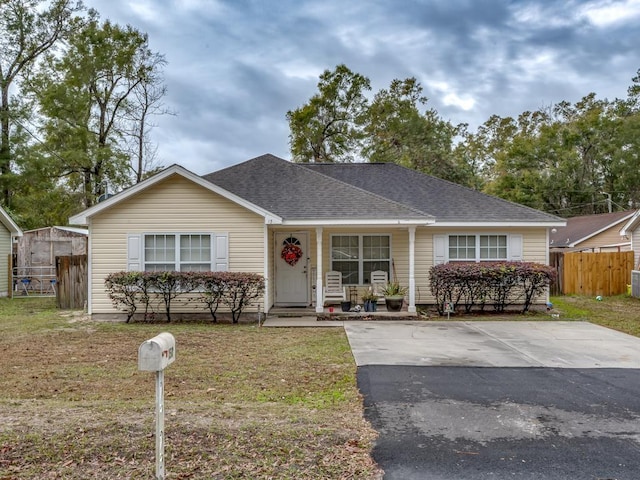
{"x":177,"y":237}
{"x":477,"y":246}
{"x":360,"y":259}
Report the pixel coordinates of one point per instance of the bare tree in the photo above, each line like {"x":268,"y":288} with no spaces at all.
{"x":146,"y":102}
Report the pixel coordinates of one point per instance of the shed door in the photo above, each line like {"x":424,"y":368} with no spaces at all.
{"x":291,"y":262}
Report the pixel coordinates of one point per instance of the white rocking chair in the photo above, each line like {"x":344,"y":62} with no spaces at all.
{"x":333,"y":291}
{"x":379,"y":279}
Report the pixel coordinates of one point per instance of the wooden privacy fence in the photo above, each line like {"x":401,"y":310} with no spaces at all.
{"x":71,"y":276}
{"x":587,"y":273}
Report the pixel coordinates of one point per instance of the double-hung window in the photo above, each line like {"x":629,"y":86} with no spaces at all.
{"x":477,"y":248}
{"x":356,"y":256}
{"x":177,"y":252}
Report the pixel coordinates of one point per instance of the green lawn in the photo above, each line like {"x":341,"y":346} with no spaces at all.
{"x":241,"y":401}
{"x":620,"y":312}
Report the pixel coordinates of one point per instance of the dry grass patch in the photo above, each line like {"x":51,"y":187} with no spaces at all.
{"x":241,"y":401}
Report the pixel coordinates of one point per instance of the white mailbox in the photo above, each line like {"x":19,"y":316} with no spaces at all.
{"x":156,"y":354}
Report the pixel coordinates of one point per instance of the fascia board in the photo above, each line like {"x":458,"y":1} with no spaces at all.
{"x":361,"y":223}
{"x":631,"y":225}
{"x":82,"y":217}
{"x":549,"y":224}
{"x":8,"y":222}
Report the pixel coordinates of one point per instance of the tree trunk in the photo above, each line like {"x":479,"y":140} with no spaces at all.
{"x":5,"y":146}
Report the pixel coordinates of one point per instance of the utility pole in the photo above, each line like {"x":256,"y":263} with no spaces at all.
{"x":608,"y":200}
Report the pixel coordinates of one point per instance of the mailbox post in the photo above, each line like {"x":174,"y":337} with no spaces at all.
{"x":154,"y":356}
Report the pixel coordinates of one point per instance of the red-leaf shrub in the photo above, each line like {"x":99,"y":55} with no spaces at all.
{"x":128,"y":290}
{"x":499,"y":284}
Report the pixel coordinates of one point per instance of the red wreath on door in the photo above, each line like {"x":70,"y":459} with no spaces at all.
{"x":291,"y":253}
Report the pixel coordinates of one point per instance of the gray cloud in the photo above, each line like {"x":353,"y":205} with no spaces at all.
{"x":236,"y":67}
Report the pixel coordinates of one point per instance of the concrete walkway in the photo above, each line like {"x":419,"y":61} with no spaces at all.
{"x":310,"y":321}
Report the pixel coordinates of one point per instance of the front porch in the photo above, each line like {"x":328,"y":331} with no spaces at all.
{"x":291,"y":314}
{"x":298,"y":260}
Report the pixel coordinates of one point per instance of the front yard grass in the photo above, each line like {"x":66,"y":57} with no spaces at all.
{"x":241,"y":402}
{"x":620,"y":312}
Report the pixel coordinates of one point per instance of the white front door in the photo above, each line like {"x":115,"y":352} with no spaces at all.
{"x":291,"y":264}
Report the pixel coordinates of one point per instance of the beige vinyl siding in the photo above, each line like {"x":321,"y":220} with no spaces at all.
{"x":534,"y":249}
{"x":5,"y":251}
{"x":175,"y":205}
{"x":635,"y":244}
{"x":610,"y":236}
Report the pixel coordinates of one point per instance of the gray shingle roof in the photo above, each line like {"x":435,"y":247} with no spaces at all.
{"x":296,"y":193}
{"x":383,"y":191}
{"x":447,"y":201}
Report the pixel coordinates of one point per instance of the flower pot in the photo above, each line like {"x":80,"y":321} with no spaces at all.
{"x":370,"y":306}
{"x":346,"y":306}
{"x":394,"y":303}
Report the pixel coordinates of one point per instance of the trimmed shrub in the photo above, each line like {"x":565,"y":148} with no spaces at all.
{"x":240,"y":289}
{"x":129,"y":291}
{"x":499,"y":284}
{"x":124,"y":291}
{"x":211,"y":292}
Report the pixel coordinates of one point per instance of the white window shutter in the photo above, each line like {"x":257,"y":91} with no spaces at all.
{"x":221,"y":252}
{"x":515,"y":248}
{"x":439,"y":249}
{"x":134,"y":252}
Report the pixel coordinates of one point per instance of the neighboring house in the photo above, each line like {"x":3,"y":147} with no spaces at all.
{"x":354,"y":218}
{"x":592,"y":233}
{"x":8,"y":232}
{"x":631,"y":229}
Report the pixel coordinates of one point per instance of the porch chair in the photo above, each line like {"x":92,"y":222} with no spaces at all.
{"x":333,"y":291}
{"x":379,"y":278}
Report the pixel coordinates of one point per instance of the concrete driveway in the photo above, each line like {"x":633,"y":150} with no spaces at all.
{"x":498,"y":400}
{"x":492,"y":344}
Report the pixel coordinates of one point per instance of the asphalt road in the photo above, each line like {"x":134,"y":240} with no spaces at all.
{"x":467,"y":422}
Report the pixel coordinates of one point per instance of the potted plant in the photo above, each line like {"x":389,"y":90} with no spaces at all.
{"x":394,"y":296}
{"x":370,"y":301}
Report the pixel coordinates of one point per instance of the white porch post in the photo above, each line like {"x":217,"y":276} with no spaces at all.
{"x":319,"y":274}
{"x":267,"y":262}
{"x":412,"y":269}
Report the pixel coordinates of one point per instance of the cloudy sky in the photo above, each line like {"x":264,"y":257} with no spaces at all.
{"x":235,"y":67}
